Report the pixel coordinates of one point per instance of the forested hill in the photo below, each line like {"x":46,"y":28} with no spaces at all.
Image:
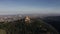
{"x":53,"y":20}
{"x":36,"y":26}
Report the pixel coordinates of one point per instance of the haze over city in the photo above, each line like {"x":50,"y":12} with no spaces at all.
{"x":29,"y":7}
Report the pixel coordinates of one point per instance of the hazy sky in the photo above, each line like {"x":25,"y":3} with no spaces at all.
{"x":29,"y":6}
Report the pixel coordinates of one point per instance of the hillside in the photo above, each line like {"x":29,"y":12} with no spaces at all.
{"x":53,"y":20}
{"x":36,"y":26}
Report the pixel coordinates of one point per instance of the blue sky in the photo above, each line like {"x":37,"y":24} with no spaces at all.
{"x":29,"y":6}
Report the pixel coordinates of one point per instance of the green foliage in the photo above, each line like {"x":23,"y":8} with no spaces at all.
{"x":19,"y":27}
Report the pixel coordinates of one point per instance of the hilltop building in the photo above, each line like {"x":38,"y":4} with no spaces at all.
{"x":27,"y":19}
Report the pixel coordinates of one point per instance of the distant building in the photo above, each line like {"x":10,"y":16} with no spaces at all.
{"x":27,"y":19}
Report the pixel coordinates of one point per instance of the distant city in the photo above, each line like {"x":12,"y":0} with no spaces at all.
{"x":8,"y":18}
